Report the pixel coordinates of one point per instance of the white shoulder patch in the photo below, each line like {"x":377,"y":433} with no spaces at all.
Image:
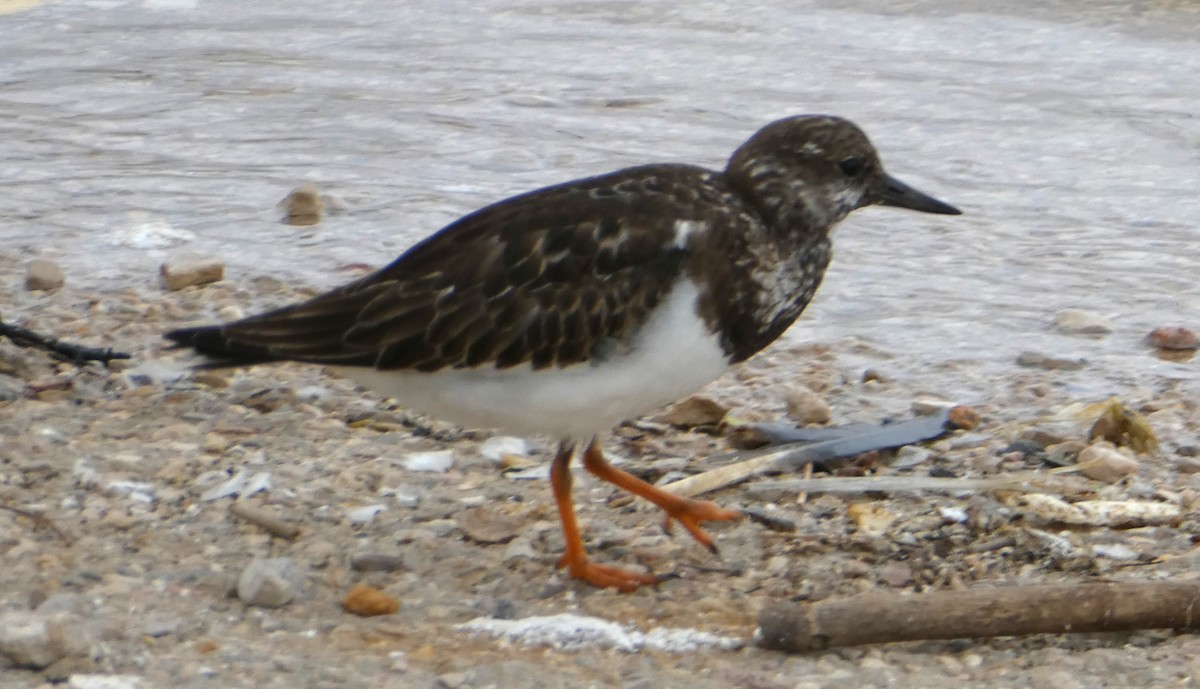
{"x":684,"y":230}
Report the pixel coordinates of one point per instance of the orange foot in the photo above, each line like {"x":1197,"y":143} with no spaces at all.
{"x":688,"y":512}
{"x":607,"y":576}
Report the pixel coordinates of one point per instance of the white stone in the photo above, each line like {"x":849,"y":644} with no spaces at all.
{"x":269,"y":583}
{"x":364,"y":514}
{"x":438,"y":461}
{"x":35,"y":640}
{"x":1080,"y":322}
{"x":497,"y":446}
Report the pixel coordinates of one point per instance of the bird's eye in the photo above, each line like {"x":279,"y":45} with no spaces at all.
{"x":852,"y":166}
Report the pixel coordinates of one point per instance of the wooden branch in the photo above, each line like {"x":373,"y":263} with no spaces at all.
{"x":980,"y":613}
{"x":267,"y":522}
{"x":76,"y":354}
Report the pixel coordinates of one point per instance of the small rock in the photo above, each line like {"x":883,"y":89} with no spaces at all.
{"x":498,"y":446}
{"x":1115,"y":551}
{"x":368,"y":601}
{"x":953,"y":515}
{"x":364,"y":514}
{"x":35,"y":640}
{"x":519,"y":549}
{"x":1049,"y":363}
{"x":158,"y":625}
{"x":874,"y":375}
{"x":807,"y":407}
{"x":407,"y":498}
{"x":696,"y":410}
{"x":43,"y":275}
{"x":376,"y":562}
{"x":1102,"y":461}
{"x":269,"y":583}
{"x":1188,"y":465}
{"x":303,"y":206}
{"x":871,"y":519}
{"x":911,"y":455}
{"x":439,"y":461}
{"x":1080,"y":322}
{"x":187,"y":270}
{"x":82,"y":681}
{"x":1173,"y":338}
{"x":928,"y":406}
{"x":964,"y":417}
{"x":896,"y":574}
{"x":486,"y":524}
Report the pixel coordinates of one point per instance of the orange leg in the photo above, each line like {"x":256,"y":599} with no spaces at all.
{"x":575,"y":558}
{"x":690,"y":513}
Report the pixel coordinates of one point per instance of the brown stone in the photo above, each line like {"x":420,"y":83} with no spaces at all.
{"x":189,"y":269}
{"x":43,"y":275}
{"x":369,"y":601}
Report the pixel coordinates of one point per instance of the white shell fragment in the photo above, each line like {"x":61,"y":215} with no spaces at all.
{"x":439,"y":461}
{"x":571,"y":632}
{"x":1114,"y":513}
{"x":496,"y":447}
{"x":364,"y":514}
{"x":239,"y":484}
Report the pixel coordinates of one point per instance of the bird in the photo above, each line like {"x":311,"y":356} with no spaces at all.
{"x":567,"y":310}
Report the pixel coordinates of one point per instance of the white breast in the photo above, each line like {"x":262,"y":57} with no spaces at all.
{"x":672,"y":356}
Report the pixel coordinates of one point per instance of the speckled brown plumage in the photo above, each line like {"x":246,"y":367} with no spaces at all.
{"x":561,"y":275}
{"x":567,"y":309}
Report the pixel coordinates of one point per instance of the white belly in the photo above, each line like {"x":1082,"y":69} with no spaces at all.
{"x":672,"y":356}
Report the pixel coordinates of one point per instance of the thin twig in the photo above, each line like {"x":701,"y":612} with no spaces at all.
{"x":76,"y":354}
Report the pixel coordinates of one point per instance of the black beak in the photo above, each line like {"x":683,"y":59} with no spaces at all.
{"x":899,"y":194}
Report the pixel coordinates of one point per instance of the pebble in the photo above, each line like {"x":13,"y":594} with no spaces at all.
{"x":35,"y":639}
{"x":1080,"y":322}
{"x":519,"y":549}
{"x":43,"y":275}
{"x":407,"y":498}
{"x":376,"y":562}
{"x":697,"y":410}
{"x":238,"y":485}
{"x":928,"y":406}
{"x":870,"y":518}
{"x":364,"y":514}
{"x":438,"y":461}
{"x":187,"y":270}
{"x":911,"y":455}
{"x":1049,"y":363}
{"x":486,"y":524}
{"x":368,"y":601}
{"x":1174,"y":338}
{"x":82,"y":681}
{"x":303,"y":206}
{"x":269,"y":583}
{"x":873,"y":375}
{"x":953,"y":515}
{"x":159,"y":625}
{"x":1102,"y":461}
{"x":896,"y":574}
{"x":807,"y":407}
{"x":1114,"y":551}
{"x":498,"y":446}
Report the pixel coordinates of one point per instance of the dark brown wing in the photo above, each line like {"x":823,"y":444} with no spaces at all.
{"x":543,"y":278}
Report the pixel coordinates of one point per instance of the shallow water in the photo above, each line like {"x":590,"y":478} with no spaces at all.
{"x":135,"y":130}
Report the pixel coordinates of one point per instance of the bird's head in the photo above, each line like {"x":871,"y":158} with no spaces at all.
{"x":814,"y":170}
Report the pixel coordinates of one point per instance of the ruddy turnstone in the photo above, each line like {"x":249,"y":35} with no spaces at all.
{"x":569,"y":309}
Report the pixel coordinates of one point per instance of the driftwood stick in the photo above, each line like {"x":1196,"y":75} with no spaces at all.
{"x":980,"y":613}
{"x":76,"y":354}
{"x":267,"y":522}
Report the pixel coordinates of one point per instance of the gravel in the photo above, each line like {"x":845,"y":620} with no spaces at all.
{"x":123,"y":566}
